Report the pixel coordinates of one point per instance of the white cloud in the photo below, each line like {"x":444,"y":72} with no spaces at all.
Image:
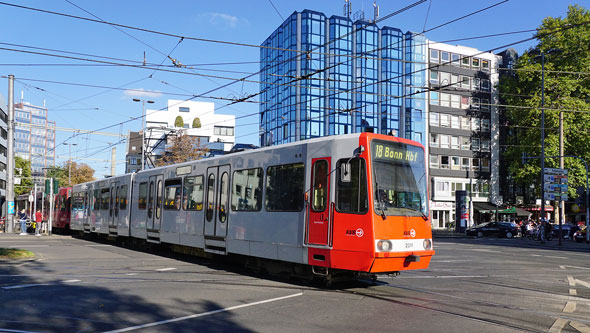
{"x":224,"y":20}
{"x":142,"y":93}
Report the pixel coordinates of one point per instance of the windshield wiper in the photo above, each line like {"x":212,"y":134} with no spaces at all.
{"x":380,"y":201}
{"x":417,"y":210}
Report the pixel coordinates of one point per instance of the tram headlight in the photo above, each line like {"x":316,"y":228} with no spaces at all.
{"x":427,"y":244}
{"x":383,"y":246}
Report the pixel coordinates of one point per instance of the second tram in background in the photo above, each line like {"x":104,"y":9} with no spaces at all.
{"x":61,"y":209}
{"x":355,"y":203}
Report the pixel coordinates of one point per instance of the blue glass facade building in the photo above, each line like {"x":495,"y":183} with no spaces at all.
{"x":329,"y":76}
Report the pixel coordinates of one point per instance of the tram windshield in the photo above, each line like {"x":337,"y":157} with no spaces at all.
{"x":399,"y":179}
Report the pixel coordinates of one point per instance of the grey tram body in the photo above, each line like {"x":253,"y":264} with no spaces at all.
{"x":264,"y":234}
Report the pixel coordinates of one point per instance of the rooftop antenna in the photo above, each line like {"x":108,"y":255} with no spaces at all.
{"x":22,"y":96}
{"x":347,"y":8}
{"x":144,"y":58}
{"x":375,"y":11}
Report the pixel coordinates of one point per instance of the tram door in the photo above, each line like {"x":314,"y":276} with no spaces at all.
{"x":114,"y":207}
{"x":319,"y":208}
{"x":217,"y":207}
{"x":154,"y":204}
{"x":88,"y":209}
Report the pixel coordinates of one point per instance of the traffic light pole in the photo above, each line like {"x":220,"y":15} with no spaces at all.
{"x":51,"y":196}
{"x":10,"y":206}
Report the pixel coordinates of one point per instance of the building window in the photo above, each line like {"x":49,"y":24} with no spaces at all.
{"x":455,"y":123}
{"x":485,"y":84}
{"x":444,"y":162}
{"x":434,"y":98}
{"x":455,"y":101}
{"x":485,"y":65}
{"x":475,"y":164}
{"x":475,"y":124}
{"x":445,"y":120}
{"x":455,"y":59}
{"x":465,"y":165}
{"x":465,"y":82}
{"x":434,"y":119}
{"x":475,"y":63}
{"x":476,"y":82}
{"x":485,"y":125}
{"x":485,"y":165}
{"x":465,"y":62}
{"x":445,"y":57}
{"x":465,"y":143}
{"x":184,"y":109}
{"x":485,"y":144}
{"x":434,"y":140}
{"x":445,"y":100}
{"x":455,"y":142}
{"x":475,"y":144}
{"x":445,"y":78}
{"x":434,"y":77}
{"x":434,"y":161}
{"x":475,"y":103}
{"x":465,"y":123}
{"x":444,"y":141}
{"x":455,"y":163}
{"x":223,"y":130}
{"x":464,"y":102}
{"x":434,"y":55}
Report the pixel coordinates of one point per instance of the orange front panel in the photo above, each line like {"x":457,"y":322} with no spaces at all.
{"x":384,"y":265}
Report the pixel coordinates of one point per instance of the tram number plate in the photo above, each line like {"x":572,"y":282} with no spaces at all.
{"x":409,"y":245}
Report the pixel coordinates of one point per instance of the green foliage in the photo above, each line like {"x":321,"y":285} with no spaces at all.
{"x":178,"y":122}
{"x":196,"y":123}
{"x":567,"y":90}
{"x":22,"y":169}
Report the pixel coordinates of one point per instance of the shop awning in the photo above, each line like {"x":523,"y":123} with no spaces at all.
{"x":485,"y":207}
{"x":514,"y":210}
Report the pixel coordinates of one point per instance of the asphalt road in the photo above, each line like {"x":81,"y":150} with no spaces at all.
{"x":473,"y":285}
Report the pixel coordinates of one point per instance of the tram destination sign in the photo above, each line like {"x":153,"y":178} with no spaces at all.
{"x":555,"y":184}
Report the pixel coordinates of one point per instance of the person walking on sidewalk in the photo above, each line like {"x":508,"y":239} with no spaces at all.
{"x":38,"y":222}
{"x":22,"y":218}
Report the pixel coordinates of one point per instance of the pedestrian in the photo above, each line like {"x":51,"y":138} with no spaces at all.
{"x":22,"y":218}
{"x":38,"y":222}
{"x":523,"y":230}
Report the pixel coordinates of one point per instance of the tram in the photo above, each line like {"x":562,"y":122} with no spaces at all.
{"x":355,"y":203}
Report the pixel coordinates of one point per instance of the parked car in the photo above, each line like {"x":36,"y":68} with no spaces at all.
{"x":567,"y":227}
{"x":498,"y":229}
{"x":580,"y":235}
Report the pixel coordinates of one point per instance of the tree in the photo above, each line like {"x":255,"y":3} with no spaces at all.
{"x":22,"y":169}
{"x":178,"y":122}
{"x":81,"y":173}
{"x":197,"y":123}
{"x":183,"y":149}
{"x":59,"y":173}
{"x":567,"y":90}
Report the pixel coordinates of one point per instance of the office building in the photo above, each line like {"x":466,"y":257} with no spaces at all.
{"x":463,"y":131}
{"x":333,"y":75}
{"x":215,"y":132}
{"x":133,"y":158}
{"x":34,"y":138}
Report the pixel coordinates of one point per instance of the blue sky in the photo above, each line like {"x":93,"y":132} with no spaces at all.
{"x":247,"y":22}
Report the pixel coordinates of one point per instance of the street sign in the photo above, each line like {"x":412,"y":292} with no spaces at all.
{"x":554,"y":171}
{"x":16,"y":180}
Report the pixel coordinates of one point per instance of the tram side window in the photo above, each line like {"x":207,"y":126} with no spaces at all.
{"x":172,"y":193}
{"x":247,"y":190}
{"x":351,"y":197}
{"x":142,"y":196}
{"x":105,"y":199}
{"x":284,"y":188}
{"x":123,"y":197}
{"x":96,"y":205}
{"x":193,"y":193}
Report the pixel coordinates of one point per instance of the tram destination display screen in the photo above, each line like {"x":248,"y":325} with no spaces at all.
{"x":397,"y":153}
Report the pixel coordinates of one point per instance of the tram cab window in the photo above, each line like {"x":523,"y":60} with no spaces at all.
{"x":193,"y":193}
{"x":320,"y":182}
{"x":351,"y":196}
{"x":142,"y":196}
{"x":283,"y":195}
{"x":172,"y":194}
{"x":247,"y":190}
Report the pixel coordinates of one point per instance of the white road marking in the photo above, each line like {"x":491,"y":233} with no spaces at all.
{"x":197,"y":315}
{"x":27,"y":245}
{"x":558,"y":325}
{"x":98,"y":245}
{"x":437,"y":276}
{"x":580,"y":327}
{"x":165,"y":269}
{"x":573,"y":292}
{"x":556,"y":257}
{"x":570,"y":307}
{"x":25,"y":286}
{"x":131,"y":274}
{"x":70,"y":281}
{"x":535,"y":255}
{"x":15,"y":331}
{"x":486,"y":250}
{"x":564,"y":267}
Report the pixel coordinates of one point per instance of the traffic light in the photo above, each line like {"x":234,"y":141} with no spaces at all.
{"x":48,"y":186}
{"x":47,"y":190}
{"x":55,"y":185}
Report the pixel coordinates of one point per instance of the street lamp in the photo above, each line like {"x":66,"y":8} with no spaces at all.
{"x":143,"y":128}
{"x":70,"y":164}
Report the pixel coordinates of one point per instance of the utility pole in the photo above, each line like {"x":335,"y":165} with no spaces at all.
{"x":561,"y":166}
{"x":10,"y":157}
{"x":542,"y":136}
{"x":51,"y":198}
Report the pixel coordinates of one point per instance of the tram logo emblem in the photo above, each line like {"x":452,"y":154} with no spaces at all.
{"x":358,"y":232}
{"x":411,"y":233}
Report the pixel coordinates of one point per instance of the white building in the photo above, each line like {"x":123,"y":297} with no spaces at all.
{"x":214,"y":131}
{"x":463,"y":145}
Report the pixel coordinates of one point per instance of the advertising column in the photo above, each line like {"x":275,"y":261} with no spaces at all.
{"x":461,"y":211}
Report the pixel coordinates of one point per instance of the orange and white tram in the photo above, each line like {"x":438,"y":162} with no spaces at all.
{"x":349,"y":203}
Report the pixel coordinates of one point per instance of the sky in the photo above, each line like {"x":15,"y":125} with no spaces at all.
{"x":98,"y":94}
